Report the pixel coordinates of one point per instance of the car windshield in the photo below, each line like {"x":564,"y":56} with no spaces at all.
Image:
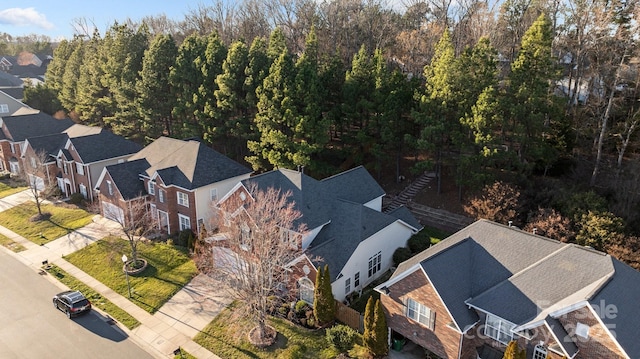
{"x":81,"y":303}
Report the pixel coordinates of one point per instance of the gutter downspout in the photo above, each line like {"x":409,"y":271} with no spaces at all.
{"x":90,"y":182}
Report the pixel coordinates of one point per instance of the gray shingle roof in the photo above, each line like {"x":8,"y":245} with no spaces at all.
{"x":126,"y":177}
{"x":188,"y":164}
{"x":355,"y":185}
{"x":32,"y":125}
{"x":49,"y":144}
{"x":9,"y":80}
{"x":339,"y":201}
{"x":102,"y":146}
{"x":518,"y":276}
{"x":403,"y":213}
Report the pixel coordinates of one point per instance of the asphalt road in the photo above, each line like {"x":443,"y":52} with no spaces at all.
{"x":30,"y":327}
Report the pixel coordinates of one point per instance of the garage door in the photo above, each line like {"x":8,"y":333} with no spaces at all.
{"x":112,"y":212}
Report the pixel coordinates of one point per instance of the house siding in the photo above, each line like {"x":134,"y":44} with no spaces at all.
{"x":385,"y":241}
{"x":203,"y":205}
{"x":599,"y":344}
{"x":443,"y":341}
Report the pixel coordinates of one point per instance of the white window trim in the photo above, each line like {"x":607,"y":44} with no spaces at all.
{"x":4,"y":108}
{"x":347,"y":286}
{"x":161,"y":195}
{"x":539,"y":352}
{"x":183,"y":199}
{"x":374,"y":264}
{"x":306,"y":289}
{"x":213,"y":195}
{"x":182,"y":218}
{"x":356,"y":280}
{"x":34,"y":164}
{"x":83,"y":190}
{"x":502,"y":324}
{"x":79,"y":168}
{"x":110,"y":187}
{"x":151,"y":187}
{"x":420,"y":313}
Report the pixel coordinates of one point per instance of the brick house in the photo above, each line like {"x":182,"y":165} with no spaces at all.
{"x":345,"y":228}
{"x":179,"y":179}
{"x":472,"y":293}
{"x":14,"y":130}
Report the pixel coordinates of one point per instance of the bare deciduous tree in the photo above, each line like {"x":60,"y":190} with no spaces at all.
{"x":34,"y":172}
{"x":550,"y":223}
{"x":135,"y":222}
{"x":498,"y":202}
{"x":259,"y":236}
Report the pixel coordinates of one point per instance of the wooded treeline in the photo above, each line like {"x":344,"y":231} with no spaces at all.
{"x":481,"y":90}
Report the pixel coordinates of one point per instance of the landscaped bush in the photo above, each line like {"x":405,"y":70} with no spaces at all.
{"x":76,"y":199}
{"x":301,"y":307}
{"x":341,"y":337}
{"x":184,"y":238}
{"x":401,"y":255}
{"x":52,"y":192}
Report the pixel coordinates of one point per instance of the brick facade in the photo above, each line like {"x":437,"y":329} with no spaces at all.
{"x":171,"y":206}
{"x":444,"y":340}
{"x":599,"y":343}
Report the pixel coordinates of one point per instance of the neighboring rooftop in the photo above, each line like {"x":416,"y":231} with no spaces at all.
{"x":102,"y":146}
{"x":19,"y":128}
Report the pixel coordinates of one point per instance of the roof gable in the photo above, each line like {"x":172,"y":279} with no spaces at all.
{"x":355,"y":185}
{"x":126,"y":177}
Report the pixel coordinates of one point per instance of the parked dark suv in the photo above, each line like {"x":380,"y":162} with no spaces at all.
{"x":72,"y":303}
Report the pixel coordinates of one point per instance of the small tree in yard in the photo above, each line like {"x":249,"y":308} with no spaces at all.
{"x":514,"y":352}
{"x":136,"y":224}
{"x":369,"y":324}
{"x":498,"y":202}
{"x":324,"y":305}
{"x":257,"y":248}
{"x":35,"y":170}
{"x":380,"y":344}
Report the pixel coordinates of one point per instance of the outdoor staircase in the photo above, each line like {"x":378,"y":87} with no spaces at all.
{"x":409,"y":192}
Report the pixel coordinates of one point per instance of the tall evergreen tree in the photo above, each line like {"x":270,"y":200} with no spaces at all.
{"x":324,"y":305}
{"x":214,"y":56}
{"x":368,"y":336}
{"x":381,"y":332}
{"x":531,"y":109}
{"x":71,"y":74}
{"x":233,"y":121}
{"x":186,"y":78}
{"x":276,"y":117}
{"x":154,"y":88}
{"x":256,"y":71}
{"x":90,"y":108}
{"x":55,"y":69}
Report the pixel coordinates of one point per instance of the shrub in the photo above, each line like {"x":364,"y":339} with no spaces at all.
{"x":341,"y":337}
{"x":324,"y":304}
{"x":401,"y":255}
{"x":184,"y":238}
{"x":52,"y":192}
{"x":301,"y":308}
{"x":76,"y":198}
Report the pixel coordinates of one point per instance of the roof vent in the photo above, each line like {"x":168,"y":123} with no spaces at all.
{"x":510,"y":223}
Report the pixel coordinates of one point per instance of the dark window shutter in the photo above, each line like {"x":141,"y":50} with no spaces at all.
{"x":432,"y":319}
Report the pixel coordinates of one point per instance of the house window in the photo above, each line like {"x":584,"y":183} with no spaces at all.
{"x":33,"y":162}
{"x":420,"y":313}
{"x":79,"y":169}
{"x":183,"y":199}
{"x":539,"y":352}
{"x":374,"y":263}
{"x":64,"y":168}
{"x":161,"y":196}
{"x":4,"y":108}
{"x":83,"y":190}
{"x":498,"y":329}
{"x":59,"y":163}
{"x":15,"y":167}
{"x":347,"y":286}
{"x":582,"y":330}
{"x":306,"y":290}
{"x":245,"y":236}
{"x":110,"y":187}
{"x":243,"y":196}
{"x":214,"y":195}
{"x":151,"y":188}
{"x":185,"y":222}
{"x":356,"y":280}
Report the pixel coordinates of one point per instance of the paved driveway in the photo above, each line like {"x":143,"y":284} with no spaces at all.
{"x":15,"y":199}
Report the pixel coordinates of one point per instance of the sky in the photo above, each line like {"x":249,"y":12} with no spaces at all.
{"x":54,"y":18}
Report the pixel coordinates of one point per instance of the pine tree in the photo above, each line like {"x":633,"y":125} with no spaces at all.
{"x":205,"y":114}
{"x":154,"y":87}
{"x":69,"y":87}
{"x":90,"y":88}
{"x":55,"y":69}
{"x":381,"y":331}
{"x":324,"y":306}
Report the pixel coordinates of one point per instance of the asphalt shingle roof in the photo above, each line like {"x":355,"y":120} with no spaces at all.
{"x":339,"y":201}
{"x":126,"y":177}
{"x":18,"y":128}
{"x":188,"y":164}
{"x":102,"y":146}
{"x":520,"y":276}
{"x":49,"y":144}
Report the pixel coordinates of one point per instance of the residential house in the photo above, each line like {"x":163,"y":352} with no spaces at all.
{"x":11,"y":106}
{"x":14,"y":130}
{"x":180,"y":180}
{"x":82,"y":159}
{"x":75,"y":158}
{"x":345,"y":228}
{"x":488,"y":284}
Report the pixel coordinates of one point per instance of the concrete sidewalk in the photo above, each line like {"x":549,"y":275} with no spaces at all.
{"x":172,"y":326}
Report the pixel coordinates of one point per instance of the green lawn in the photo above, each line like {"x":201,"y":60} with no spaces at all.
{"x":63,"y":220}
{"x":96,"y":299}
{"x":7,"y":190}
{"x":226,"y":336}
{"x":168,"y":271}
{"x":9,"y":243}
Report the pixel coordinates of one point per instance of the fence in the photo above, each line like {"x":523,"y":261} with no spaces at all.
{"x":349,"y":316}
